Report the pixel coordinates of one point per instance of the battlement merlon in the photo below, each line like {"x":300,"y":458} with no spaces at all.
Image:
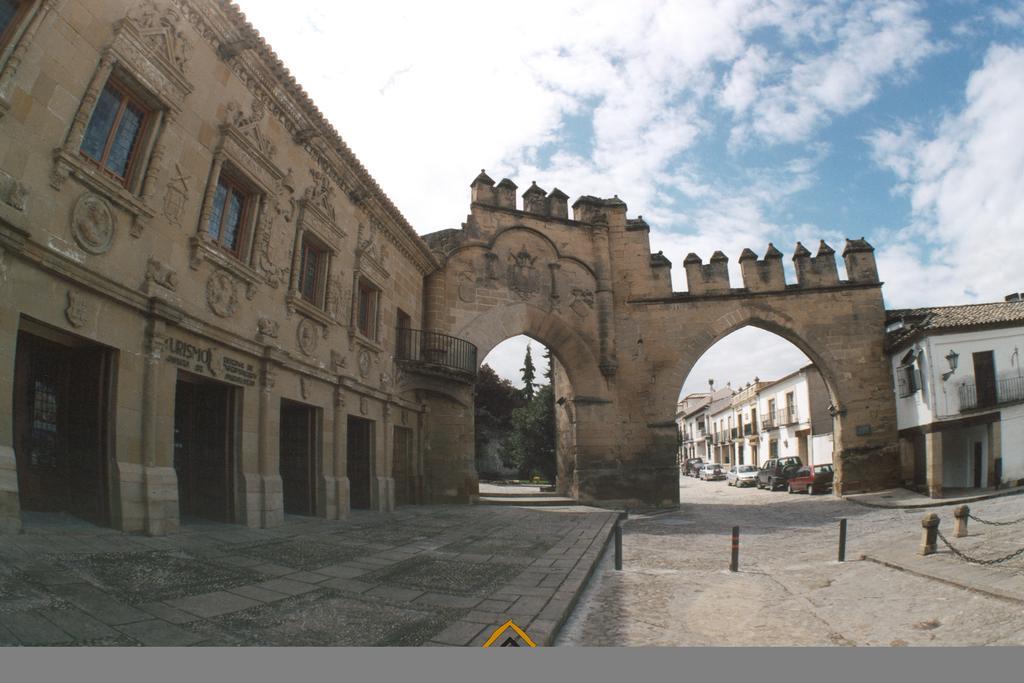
{"x":767,"y":275}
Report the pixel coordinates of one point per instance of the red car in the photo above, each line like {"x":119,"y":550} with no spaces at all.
{"x":812,"y":480}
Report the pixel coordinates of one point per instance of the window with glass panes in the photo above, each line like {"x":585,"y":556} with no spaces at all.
{"x":367,"y":309}
{"x":313,"y":264}
{"x":11,"y":14}
{"x":229,"y":214}
{"x":114,"y":132}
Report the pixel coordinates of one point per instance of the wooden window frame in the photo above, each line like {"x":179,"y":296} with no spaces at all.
{"x":250,"y":199}
{"x":317,"y":296}
{"x":364,"y":286}
{"x":126,"y":97}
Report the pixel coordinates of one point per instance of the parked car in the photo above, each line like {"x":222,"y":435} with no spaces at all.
{"x":812,"y":479}
{"x":711,"y":471}
{"x":741,"y":475}
{"x":692,"y":466}
{"x":776,"y":472}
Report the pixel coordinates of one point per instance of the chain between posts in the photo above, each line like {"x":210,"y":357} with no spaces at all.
{"x":973,"y":560}
{"x":985,"y":521}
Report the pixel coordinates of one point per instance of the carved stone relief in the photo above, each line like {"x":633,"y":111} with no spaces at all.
{"x":158,"y":273}
{"x":582,"y":302}
{"x":77,"y":309}
{"x":336,"y":297}
{"x":308,"y":336}
{"x":320,"y":194}
{"x":93,"y":223}
{"x":158,"y":27}
{"x":268,"y":328}
{"x":467,"y":286}
{"x":12,"y":192}
{"x":222,"y":294}
{"x":338,"y":360}
{"x":303,"y":388}
{"x":364,"y":363}
{"x":523,"y":277}
{"x":176,"y":196}
{"x":364,"y":405}
{"x":248,"y":125}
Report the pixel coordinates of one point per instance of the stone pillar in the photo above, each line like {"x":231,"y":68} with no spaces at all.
{"x":929,"y":533}
{"x":995,"y":453}
{"x":340,"y":452}
{"x":385,"y":450}
{"x":10,"y":507}
{"x":906,"y":460}
{"x":933,"y":456}
{"x":160,"y":481}
{"x":269,"y":446}
{"x":960,"y":516}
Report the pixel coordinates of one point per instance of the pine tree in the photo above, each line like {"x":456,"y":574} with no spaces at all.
{"x":529,"y":373}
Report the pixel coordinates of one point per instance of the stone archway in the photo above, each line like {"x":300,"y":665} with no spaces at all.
{"x":589,"y":288}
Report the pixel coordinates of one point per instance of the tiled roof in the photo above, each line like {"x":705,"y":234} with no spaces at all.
{"x":917,"y":321}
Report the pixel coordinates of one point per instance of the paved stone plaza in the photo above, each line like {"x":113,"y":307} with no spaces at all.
{"x":675,"y":588}
{"x":436,"y":575}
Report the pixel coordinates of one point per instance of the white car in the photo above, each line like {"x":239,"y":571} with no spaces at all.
{"x":741,"y":475}
{"x":711,"y":471}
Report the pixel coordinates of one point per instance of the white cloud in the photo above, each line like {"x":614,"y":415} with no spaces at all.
{"x":966,"y":185}
{"x":744,"y":355}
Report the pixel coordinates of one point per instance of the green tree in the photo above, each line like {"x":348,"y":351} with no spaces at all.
{"x":529,"y":373}
{"x":530,"y":445}
{"x":496,"y":400}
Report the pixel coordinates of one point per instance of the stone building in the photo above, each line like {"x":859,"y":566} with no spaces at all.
{"x":200,"y":284}
{"x":209,"y":308}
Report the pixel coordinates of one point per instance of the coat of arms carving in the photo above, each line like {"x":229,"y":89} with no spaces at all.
{"x":523,"y":278}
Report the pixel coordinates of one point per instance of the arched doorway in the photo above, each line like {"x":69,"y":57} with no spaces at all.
{"x":751,"y":398}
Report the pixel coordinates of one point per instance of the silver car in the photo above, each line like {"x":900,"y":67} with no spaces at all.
{"x":741,"y":475}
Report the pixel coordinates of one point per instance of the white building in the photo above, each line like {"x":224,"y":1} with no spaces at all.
{"x":787,"y":417}
{"x":959,"y":391}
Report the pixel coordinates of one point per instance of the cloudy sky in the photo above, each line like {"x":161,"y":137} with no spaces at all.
{"x":726,"y":124}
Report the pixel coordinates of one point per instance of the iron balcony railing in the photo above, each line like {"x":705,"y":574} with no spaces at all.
{"x":779,"y":418}
{"x":1007,"y":390}
{"x":434,"y":348}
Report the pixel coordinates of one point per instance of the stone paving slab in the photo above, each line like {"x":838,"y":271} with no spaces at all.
{"x":430,"y":575}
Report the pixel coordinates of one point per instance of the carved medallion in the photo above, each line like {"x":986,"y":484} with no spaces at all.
{"x":364,"y":363}
{"x":307,"y":335}
{"x":222,"y":294}
{"x":93,"y":224}
{"x":77,"y":310}
{"x":523,"y":278}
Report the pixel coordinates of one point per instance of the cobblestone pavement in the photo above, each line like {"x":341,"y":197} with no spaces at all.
{"x":675,"y":587}
{"x":435,"y":575}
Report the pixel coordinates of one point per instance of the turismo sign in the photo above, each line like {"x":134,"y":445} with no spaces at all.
{"x":209,"y":361}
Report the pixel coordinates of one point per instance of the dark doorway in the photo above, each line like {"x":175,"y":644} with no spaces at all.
{"x":203,"y":446}
{"x":978,"y":458}
{"x":360,"y":459}
{"x":298,"y":457}
{"x":920,"y":462}
{"x":61,"y":425}
{"x":985,"y":378}
{"x":402,"y":467}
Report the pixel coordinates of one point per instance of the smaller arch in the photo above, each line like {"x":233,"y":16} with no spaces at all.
{"x":567,"y":345}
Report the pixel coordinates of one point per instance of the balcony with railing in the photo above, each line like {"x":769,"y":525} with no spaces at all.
{"x":1001,"y":392}
{"x":436,"y":351}
{"x":779,"y":418}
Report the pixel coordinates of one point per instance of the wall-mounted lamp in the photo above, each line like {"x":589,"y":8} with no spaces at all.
{"x":952,"y":357}
{"x":835,"y":411}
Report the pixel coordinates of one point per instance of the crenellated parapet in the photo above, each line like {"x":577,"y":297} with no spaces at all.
{"x":767,"y":274}
{"x":535,"y":200}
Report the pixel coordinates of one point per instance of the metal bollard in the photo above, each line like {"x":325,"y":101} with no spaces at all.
{"x":734,"y":564}
{"x":929,"y":533}
{"x":960,"y":523}
{"x":618,"y":547}
{"x":842,"y":540}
